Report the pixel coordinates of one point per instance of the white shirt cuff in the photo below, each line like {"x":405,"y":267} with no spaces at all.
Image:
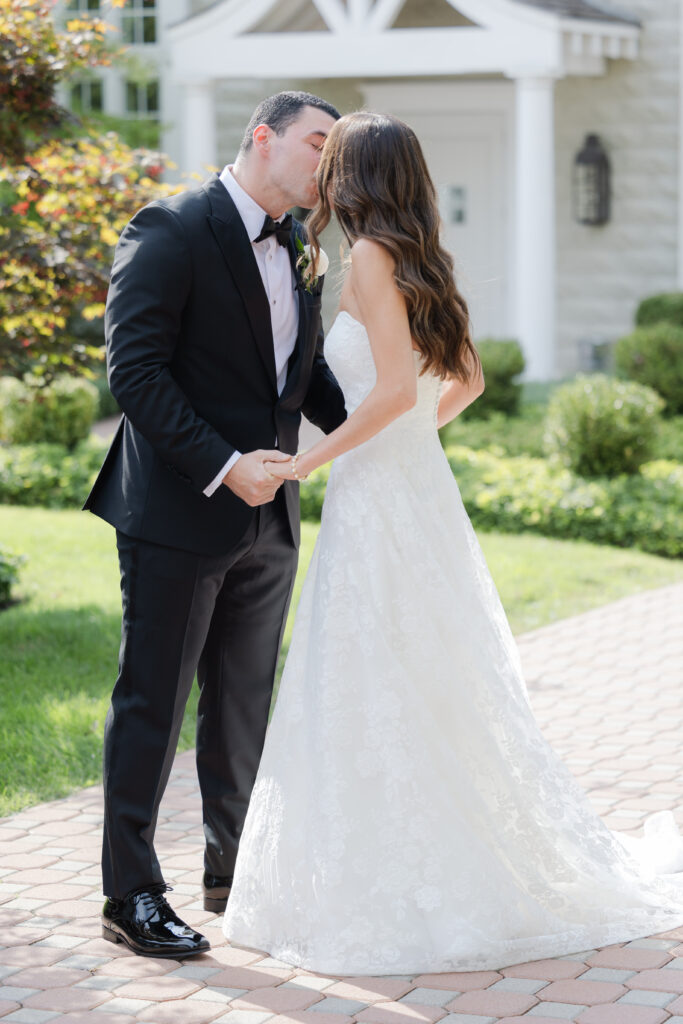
{"x":218,"y":479}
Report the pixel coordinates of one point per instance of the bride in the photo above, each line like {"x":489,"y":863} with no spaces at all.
{"x":408,"y":815}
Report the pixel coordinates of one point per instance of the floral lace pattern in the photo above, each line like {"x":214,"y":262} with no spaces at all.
{"x":408,"y":815}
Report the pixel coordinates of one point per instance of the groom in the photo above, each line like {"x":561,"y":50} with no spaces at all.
{"x":214,"y":349}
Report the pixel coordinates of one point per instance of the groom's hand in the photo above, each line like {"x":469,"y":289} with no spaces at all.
{"x":249,"y":480}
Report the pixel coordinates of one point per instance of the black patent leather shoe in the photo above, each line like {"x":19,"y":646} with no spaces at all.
{"x":216,"y":892}
{"x":145,"y":922}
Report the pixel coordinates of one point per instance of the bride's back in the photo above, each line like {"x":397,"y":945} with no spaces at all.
{"x":348,"y":353}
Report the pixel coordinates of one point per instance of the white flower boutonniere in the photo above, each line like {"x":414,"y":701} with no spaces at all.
{"x":306,"y":264}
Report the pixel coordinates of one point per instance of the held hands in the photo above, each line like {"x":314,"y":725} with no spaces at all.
{"x":250,"y":480}
{"x":291,"y":469}
{"x":281,"y":470}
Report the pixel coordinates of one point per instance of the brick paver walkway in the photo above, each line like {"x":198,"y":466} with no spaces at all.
{"x":607,"y":693}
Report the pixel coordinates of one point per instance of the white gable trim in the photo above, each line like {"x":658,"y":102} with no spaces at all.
{"x":408,"y":52}
{"x":334,"y":15}
{"x":510,"y":38}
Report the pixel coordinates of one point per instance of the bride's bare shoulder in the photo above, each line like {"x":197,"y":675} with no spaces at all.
{"x":367,"y":253}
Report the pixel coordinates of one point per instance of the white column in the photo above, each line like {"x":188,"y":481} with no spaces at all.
{"x":535,"y":229}
{"x":198,"y":126}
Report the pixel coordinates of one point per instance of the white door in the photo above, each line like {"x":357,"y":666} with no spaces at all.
{"x":466,"y":154}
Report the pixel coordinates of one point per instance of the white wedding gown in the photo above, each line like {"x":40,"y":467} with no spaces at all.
{"x":408,"y":815}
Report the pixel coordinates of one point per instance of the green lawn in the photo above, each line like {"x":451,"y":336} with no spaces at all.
{"x":59,"y":643}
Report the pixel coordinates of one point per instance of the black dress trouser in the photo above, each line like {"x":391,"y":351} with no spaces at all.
{"x":222,"y":617}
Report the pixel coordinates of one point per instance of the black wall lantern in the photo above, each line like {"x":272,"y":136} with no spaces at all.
{"x":591,"y":183}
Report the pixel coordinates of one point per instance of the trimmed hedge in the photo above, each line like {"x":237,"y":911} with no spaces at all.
{"x":50,"y":475}
{"x":523,"y":434}
{"x":517,"y":494}
{"x":521,"y":494}
{"x":501,"y":362}
{"x":513,"y":494}
{"x":504,"y":435}
{"x":665,"y":306}
{"x":654,"y":356}
{"x":599,"y":426}
{"x":61,"y":412}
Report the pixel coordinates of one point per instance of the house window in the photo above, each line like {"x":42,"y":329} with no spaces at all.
{"x":83,"y":6}
{"x":454,"y":204}
{"x":142,"y":100}
{"x":87,"y":96}
{"x":139,"y":23}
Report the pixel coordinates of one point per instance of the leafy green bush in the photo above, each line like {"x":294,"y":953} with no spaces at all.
{"x":501,"y":361}
{"x":9,"y":574}
{"x":666,"y":306}
{"x":654,"y":356}
{"x":504,"y":435}
{"x":106,"y":403}
{"x":10,"y":391}
{"x":523,"y":434}
{"x":599,"y":426}
{"x":644,"y":510}
{"x":522,"y":494}
{"x":312,"y":493}
{"x":49,"y":474}
{"x":670,"y":439}
{"x":58,"y":413}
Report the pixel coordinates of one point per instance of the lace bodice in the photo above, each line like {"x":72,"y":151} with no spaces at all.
{"x":348,"y":353}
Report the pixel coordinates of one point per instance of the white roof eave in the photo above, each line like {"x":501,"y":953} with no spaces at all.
{"x":217,"y":43}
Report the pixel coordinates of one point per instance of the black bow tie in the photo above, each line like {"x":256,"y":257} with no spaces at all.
{"x":281,"y":229}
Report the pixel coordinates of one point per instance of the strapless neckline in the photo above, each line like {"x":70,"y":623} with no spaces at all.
{"x":345,"y":312}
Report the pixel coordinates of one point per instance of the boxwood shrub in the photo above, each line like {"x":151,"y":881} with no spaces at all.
{"x":599,"y":426}
{"x":665,"y":306}
{"x":50,"y":475}
{"x":61,"y":412}
{"x":653,"y":355}
{"x":501,"y":361}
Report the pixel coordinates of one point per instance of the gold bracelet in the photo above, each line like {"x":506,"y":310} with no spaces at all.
{"x":294,"y":460}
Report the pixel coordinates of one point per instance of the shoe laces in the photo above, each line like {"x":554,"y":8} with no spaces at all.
{"x":153,"y":899}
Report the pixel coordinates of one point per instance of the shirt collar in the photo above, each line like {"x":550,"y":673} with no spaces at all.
{"x":249,"y":210}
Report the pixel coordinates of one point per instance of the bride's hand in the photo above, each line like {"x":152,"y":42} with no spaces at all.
{"x":280,"y":470}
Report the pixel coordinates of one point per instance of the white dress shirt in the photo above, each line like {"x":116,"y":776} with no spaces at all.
{"x":279,"y":283}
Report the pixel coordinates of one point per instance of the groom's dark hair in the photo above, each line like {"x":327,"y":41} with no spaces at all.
{"x":281,"y":110}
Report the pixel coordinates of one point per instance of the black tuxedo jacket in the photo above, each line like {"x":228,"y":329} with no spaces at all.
{"x":190,"y":361}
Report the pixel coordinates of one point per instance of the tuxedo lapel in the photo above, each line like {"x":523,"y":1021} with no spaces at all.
{"x":295,"y":358}
{"x":235,"y":245}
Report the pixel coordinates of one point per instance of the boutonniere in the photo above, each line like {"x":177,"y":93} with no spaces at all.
{"x":305,"y":263}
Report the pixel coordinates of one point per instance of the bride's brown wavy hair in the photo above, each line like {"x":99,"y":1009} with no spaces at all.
{"x":373,"y":174}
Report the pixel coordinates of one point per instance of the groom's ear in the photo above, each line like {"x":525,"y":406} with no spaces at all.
{"x":261,"y":138}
